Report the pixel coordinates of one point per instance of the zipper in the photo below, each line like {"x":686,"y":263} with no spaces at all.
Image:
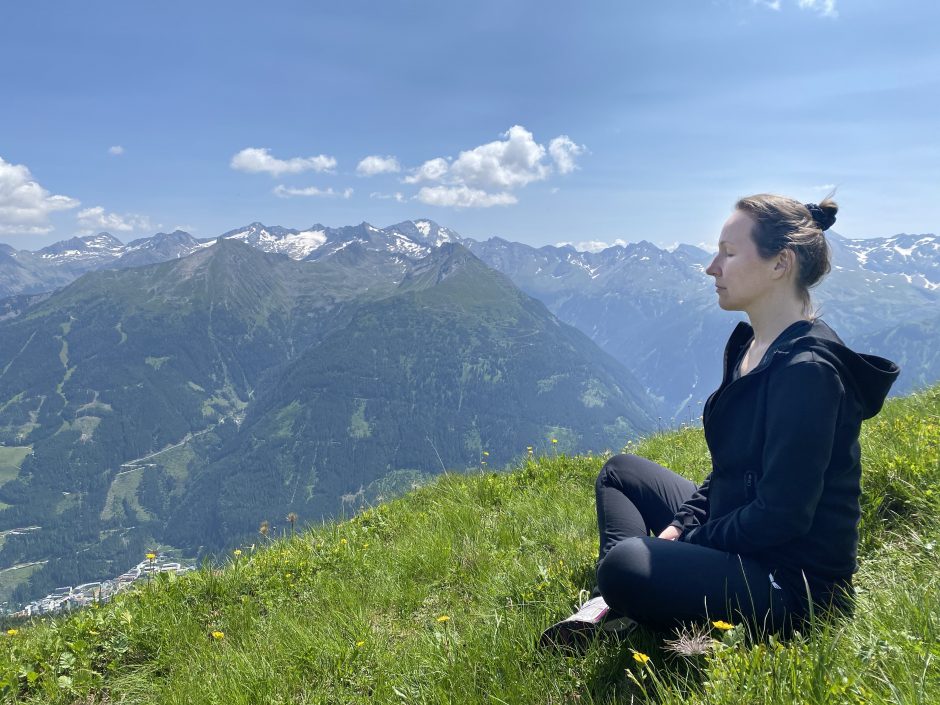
{"x":778,"y":346}
{"x":723,"y":392}
{"x":749,"y":486}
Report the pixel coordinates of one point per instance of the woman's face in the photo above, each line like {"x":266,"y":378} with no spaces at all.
{"x":742,"y":277}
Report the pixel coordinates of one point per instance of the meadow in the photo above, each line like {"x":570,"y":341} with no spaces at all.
{"x":440,"y":596}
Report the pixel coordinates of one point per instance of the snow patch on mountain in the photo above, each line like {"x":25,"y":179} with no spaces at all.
{"x":424,"y":227}
{"x":300,"y":245}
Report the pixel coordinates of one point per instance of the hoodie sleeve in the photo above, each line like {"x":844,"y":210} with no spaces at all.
{"x":695,"y":510}
{"x":803,"y":403}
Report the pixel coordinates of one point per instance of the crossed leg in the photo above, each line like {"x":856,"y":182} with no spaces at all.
{"x":661,"y":583}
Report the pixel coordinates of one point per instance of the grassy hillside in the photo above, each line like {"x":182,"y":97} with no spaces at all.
{"x":440,"y":596}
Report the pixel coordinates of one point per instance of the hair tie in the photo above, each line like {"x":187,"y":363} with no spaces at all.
{"x":823,"y":219}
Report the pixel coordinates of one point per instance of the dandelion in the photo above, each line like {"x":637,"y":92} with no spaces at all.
{"x":237,"y":552}
{"x":291,"y":518}
{"x":640,"y":658}
{"x":343,"y":541}
{"x":365,"y":545}
{"x":486,"y":454}
{"x":217,"y":635}
{"x":723,"y":626}
{"x":443,"y":618}
{"x":554,"y":440}
{"x":151,"y":556}
{"x":360,"y":644}
{"x":12,"y":632}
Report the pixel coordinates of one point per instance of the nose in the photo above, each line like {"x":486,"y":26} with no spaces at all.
{"x":713,"y":269}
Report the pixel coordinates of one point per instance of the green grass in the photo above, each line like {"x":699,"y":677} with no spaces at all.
{"x":124,"y":489}
{"x":354,"y":612}
{"x":11,"y":459}
{"x":10,"y":578}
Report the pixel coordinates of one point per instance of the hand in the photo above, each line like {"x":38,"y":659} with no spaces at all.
{"x":670,"y":533}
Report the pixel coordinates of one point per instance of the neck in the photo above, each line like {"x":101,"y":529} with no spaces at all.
{"x":771,"y":317}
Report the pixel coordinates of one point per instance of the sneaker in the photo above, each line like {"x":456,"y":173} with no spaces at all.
{"x":618,"y":625}
{"x":580,"y":628}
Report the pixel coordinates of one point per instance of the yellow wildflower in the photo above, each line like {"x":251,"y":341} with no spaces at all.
{"x":237,"y":551}
{"x":554,"y":440}
{"x":12,"y":632}
{"x":443,"y":618}
{"x":723,"y":626}
{"x":360,"y":643}
{"x":486,"y":453}
{"x":151,"y":556}
{"x":640,"y":658}
{"x":218,"y":635}
{"x":343,"y":541}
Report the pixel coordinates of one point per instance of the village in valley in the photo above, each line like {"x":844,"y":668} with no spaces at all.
{"x":67,"y":598}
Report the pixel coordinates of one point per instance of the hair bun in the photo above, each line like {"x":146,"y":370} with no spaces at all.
{"x":822,"y":216}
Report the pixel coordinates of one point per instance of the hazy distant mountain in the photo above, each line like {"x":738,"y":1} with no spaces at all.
{"x":655,"y":310}
{"x":914,"y":346}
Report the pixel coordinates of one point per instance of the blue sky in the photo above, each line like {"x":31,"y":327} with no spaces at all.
{"x":541,"y":122}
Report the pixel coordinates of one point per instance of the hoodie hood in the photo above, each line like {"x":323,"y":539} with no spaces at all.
{"x":868,"y":377}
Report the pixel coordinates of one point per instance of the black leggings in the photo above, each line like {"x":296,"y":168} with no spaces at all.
{"x":662,"y":583}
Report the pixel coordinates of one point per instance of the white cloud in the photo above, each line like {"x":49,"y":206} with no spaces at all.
{"x":117,"y":150}
{"x":374,"y":164}
{"x":485,"y":175}
{"x":564,"y":152}
{"x":826,"y":8}
{"x":287,"y":192}
{"x":96,"y":219}
{"x":463,"y":197}
{"x":592,"y":245}
{"x":510,"y":163}
{"x":254,"y":160}
{"x":431,"y":170}
{"x":25,"y":206}
{"x":397,"y":196}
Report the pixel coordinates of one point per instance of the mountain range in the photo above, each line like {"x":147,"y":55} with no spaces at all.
{"x":653,"y":309}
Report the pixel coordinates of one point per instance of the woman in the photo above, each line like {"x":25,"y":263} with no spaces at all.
{"x":772,"y":532}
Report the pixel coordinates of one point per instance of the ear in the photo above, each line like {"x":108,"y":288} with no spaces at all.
{"x":786,"y":259}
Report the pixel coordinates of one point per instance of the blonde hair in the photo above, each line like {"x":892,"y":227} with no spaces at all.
{"x":783,"y":223}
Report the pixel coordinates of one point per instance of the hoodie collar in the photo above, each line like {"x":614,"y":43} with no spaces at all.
{"x":743,"y":333}
{"x":870,"y":377}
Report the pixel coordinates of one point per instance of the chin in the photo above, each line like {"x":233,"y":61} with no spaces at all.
{"x":728,"y":306}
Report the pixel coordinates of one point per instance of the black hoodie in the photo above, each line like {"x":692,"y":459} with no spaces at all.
{"x":786,"y":472}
